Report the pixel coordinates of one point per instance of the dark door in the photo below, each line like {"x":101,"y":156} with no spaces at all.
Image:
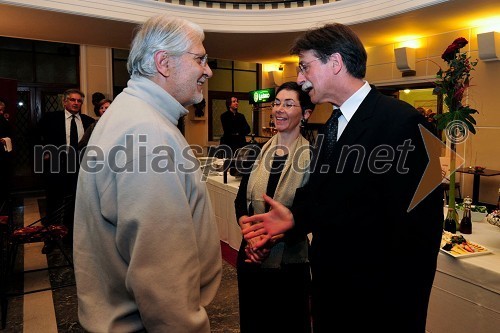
{"x":32,"y":102}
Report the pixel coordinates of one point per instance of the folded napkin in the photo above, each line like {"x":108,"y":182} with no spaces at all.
{"x":8,"y":145}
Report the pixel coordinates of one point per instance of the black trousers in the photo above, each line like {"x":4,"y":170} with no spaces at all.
{"x":273,"y":300}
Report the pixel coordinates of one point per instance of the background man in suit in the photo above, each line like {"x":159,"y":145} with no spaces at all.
{"x":371,"y":259}
{"x":61,"y":170}
{"x":235,"y":126}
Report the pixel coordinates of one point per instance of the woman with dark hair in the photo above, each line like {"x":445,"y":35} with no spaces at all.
{"x":99,"y":109}
{"x":96,"y":98}
{"x":282,"y":267}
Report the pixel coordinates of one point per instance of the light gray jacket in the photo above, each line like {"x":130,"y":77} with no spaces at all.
{"x":146,"y":245}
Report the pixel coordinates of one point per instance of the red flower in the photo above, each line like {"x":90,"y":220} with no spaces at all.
{"x":449,"y":53}
{"x":452,"y":50}
{"x":460,"y":42}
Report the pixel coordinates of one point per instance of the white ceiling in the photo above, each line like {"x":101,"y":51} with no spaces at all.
{"x":24,"y":22}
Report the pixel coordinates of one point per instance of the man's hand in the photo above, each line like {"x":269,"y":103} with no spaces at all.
{"x":278,"y":220}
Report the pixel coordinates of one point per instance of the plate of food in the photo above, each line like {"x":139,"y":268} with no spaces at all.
{"x":458,"y":247}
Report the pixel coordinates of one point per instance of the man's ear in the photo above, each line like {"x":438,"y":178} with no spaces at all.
{"x":161,"y":61}
{"x":337,"y":62}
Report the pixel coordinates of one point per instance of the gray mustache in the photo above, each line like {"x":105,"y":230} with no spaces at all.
{"x":306,"y":86}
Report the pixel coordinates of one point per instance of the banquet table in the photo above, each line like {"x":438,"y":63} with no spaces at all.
{"x":465,"y":296}
{"x":222,"y":196}
{"x":466,"y":291}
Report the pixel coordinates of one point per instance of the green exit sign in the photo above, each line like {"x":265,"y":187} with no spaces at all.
{"x":261,"y":96}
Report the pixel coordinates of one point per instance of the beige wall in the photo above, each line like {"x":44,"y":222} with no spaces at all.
{"x":95,"y":74}
{"x":196,"y":129}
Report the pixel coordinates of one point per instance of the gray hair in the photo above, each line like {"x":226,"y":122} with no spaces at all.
{"x":73,"y":91}
{"x":161,"y":32}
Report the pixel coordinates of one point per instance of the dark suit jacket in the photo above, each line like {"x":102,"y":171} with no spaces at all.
{"x":369,"y":256}
{"x":53,"y":127}
{"x":235,"y":128}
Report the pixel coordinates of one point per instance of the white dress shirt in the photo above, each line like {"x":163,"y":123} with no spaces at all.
{"x":79,"y":125}
{"x":350,"y":106}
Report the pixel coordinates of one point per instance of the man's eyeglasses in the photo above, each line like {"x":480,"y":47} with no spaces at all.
{"x":287,"y":105}
{"x":304,"y":66}
{"x":202,"y":59}
{"x":73,"y":100}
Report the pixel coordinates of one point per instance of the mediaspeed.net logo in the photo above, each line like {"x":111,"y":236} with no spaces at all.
{"x":164,"y":158}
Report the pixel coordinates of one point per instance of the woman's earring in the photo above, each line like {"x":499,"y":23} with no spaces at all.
{"x":303,"y":122}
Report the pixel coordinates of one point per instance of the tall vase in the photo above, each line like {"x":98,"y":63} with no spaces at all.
{"x":451,"y":193}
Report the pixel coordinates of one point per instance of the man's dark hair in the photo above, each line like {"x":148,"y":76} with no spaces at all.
{"x":228,"y":102}
{"x":304,"y":99}
{"x":334,"y":38}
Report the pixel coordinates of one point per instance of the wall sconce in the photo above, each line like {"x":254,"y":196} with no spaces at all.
{"x":276,"y":78}
{"x":405,"y":60}
{"x":488,"y":44}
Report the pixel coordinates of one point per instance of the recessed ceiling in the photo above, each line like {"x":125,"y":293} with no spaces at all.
{"x":453,"y":15}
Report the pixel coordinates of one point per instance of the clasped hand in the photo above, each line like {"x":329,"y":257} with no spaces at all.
{"x":264,"y":230}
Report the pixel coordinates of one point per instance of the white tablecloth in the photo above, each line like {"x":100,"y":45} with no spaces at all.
{"x":466,"y":291}
{"x":222,"y":197}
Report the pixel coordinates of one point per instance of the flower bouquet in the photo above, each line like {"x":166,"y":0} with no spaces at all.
{"x":452,"y":83}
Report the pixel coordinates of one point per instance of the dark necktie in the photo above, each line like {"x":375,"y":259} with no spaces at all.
{"x":73,"y":133}
{"x":330,"y":131}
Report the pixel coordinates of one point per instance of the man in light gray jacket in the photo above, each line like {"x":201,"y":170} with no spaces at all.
{"x":146,"y":245}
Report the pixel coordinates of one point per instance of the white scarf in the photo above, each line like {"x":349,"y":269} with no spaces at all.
{"x":295,"y":174}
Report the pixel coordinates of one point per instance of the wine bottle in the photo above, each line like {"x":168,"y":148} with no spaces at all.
{"x":466,"y":223}
{"x":450,"y":223}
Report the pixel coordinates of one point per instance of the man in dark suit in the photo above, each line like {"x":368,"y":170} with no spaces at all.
{"x":235,"y":126}
{"x":61,"y":162}
{"x":373,"y":260}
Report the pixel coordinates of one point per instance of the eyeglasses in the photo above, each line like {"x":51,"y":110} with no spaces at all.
{"x":304,"y":66}
{"x":287,"y":105}
{"x":73,"y":100}
{"x":202,"y":59}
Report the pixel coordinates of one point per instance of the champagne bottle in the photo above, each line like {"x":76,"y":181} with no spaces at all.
{"x":450,"y":223}
{"x":466,"y":223}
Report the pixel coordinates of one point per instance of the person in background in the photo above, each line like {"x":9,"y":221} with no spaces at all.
{"x":234,"y":125}
{"x":103,"y":106}
{"x":61,"y":169}
{"x":283,"y":266}
{"x":6,"y":171}
{"x":366,"y":275}
{"x":97,"y":97}
{"x":147,"y":250}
